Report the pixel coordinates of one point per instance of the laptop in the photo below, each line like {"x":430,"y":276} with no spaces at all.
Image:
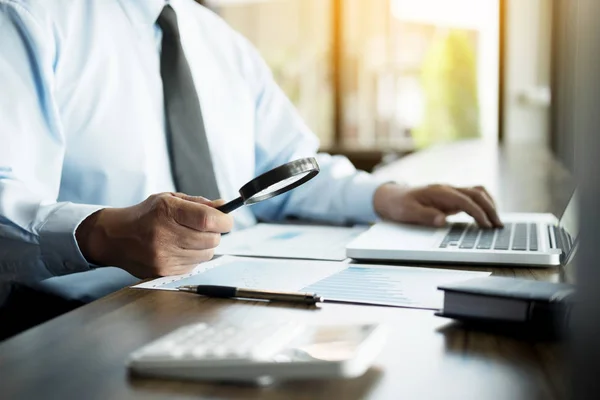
{"x":530,"y":239}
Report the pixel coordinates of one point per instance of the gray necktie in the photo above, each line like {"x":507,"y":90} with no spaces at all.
{"x":191,"y":164}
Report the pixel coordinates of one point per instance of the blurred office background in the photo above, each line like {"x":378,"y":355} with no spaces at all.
{"x":376,"y":79}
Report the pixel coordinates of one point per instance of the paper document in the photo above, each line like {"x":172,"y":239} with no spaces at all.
{"x":390,"y":285}
{"x":365,"y":284}
{"x":251,"y":273}
{"x":290,"y":241}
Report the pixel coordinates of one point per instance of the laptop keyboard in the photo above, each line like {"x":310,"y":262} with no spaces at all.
{"x":518,"y":237}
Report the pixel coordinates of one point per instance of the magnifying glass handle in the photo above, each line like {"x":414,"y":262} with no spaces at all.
{"x":231,"y":206}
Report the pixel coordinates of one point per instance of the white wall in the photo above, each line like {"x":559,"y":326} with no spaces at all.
{"x":527,"y":73}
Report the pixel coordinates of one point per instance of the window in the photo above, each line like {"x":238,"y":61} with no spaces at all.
{"x":418,"y":73}
{"x":389,"y":75}
{"x":294,"y":37}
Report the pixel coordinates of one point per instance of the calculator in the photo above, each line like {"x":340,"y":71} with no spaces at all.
{"x":275,"y":350}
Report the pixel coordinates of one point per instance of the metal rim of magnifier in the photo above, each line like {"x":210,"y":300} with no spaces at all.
{"x":306,"y":166}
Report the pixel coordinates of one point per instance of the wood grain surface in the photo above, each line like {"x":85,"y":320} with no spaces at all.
{"x":81,"y":355}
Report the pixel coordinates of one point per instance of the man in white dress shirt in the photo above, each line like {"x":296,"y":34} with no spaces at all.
{"x":98,"y":101}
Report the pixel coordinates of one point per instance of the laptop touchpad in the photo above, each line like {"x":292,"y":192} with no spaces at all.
{"x":399,"y":236}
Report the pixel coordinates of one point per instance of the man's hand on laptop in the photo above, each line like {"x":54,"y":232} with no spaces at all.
{"x":430,"y":205}
{"x":167,"y":234}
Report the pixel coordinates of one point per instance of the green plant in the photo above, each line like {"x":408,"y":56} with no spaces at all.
{"x":449,"y":81}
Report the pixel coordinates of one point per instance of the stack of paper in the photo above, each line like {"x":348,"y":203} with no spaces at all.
{"x":362,"y":284}
{"x":290,"y":241}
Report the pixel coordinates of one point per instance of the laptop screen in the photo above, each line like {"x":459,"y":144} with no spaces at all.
{"x":569,"y":219}
{"x":569,"y":224}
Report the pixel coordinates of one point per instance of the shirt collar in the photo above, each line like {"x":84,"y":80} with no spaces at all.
{"x":143,"y":12}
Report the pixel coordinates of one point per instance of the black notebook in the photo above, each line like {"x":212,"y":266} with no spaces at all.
{"x":509,"y":301}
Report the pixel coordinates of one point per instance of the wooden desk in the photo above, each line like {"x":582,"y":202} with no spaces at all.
{"x":82,"y":354}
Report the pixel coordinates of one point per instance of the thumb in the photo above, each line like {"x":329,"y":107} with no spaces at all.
{"x":199,"y":199}
{"x":429,"y":216}
{"x":217,"y":203}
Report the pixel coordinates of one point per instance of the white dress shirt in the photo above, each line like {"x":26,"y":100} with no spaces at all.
{"x":82,"y":125}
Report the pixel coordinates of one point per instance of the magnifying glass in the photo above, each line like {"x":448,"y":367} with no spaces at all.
{"x":274,"y":182}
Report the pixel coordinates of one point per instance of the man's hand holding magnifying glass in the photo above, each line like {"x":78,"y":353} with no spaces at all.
{"x":170,"y":233}
{"x":167,"y":234}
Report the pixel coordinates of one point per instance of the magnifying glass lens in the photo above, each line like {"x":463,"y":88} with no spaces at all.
{"x":276,"y":187}
{"x":274,"y":182}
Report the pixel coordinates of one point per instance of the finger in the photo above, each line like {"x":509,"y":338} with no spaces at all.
{"x":195,"y":199}
{"x":176,"y":257}
{"x":497,"y":220}
{"x":484,"y":190}
{"x":190,"y":239}
{"x":182,"y":263}
{"x":201,"y":217}
{"x":496,"y":217}
{"x":428,"y":216}
{"x":195,"y":257}
{"x":484,"y":201}
{"x":217,"y":203}
{"x":464,"y":203}
{"x":199,"y":199}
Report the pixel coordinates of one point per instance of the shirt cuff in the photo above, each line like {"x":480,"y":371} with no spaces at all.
{"x":58,"y":245}
{"x":359,"y":197}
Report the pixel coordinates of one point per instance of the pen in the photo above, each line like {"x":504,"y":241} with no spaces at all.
{"x":233,"y":292}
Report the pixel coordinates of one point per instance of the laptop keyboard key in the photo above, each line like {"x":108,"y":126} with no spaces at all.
{"x":470,"y":238}
{"x":558,"y":236}
{"x":486,"y":239}
{"x":520,"y":238}
{"x":453,"y":236}
{"x":533,"y":238}
{"x":503,"y":238}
